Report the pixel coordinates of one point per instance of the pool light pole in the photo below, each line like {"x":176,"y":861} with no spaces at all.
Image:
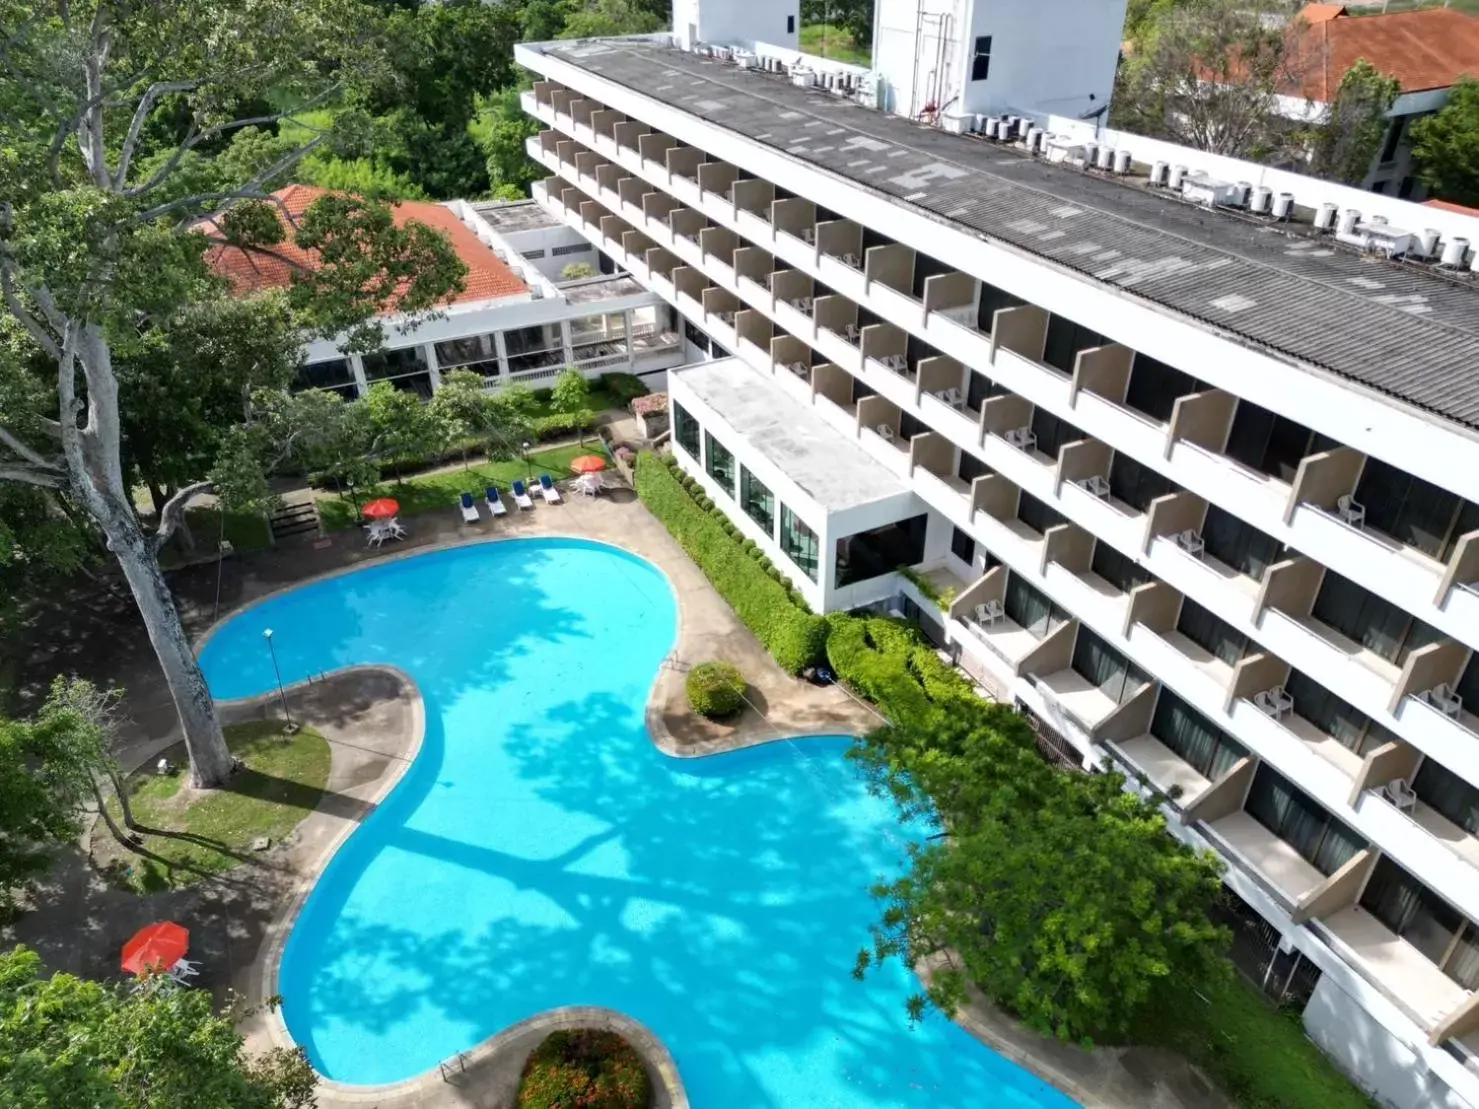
{"x":288,"y":727}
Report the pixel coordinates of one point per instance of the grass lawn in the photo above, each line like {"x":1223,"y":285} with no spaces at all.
{"x":427,"y":492}
{"x":280,"y":783}
{"x":246,"y":531}
{"x":1257,"y":1055}
{"x":840,"y":46}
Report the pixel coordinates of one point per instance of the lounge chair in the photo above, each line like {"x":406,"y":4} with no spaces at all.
{"x":495,"y":502}
{"x":521,"y":496}
{"x":547,"y":488}
{"x":469,"y":510}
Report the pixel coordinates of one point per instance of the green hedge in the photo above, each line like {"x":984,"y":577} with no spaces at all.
{"x":624,"y":387}
{"x":793,"y":636}
{"x":892,"y":665}
{"x":557,"y":424}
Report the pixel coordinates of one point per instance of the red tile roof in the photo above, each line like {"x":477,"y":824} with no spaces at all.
{"x":1450,"y":206}
{"x":1428,"y":49}
{"x":486,"y":278}
{"x":1319,"y":13}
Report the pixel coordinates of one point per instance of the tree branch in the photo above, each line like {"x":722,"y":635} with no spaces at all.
{"x":251,"y":190}
{"x":141,"y":116}
{"x":29,"y":456}
{"x":174,"y":511}
{"x":27,"y":476}
{"x":34,"y":327}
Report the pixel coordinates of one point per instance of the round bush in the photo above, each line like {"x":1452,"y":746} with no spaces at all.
{"x":716,"y":689}
{"x":585,"y":1068}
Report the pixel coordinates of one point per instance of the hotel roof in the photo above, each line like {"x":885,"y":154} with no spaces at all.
{"x":1402,"y":330}
{"x":1427,"y":49}
{"x":828,"y":466}
{"x":487,"y":277}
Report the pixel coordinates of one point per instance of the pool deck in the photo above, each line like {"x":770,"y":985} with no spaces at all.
{"x":372,"y":719}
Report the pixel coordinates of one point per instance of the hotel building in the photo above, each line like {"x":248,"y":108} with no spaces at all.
{"x":1187,"y":468}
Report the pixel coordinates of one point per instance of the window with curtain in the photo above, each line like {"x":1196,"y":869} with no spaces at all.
{"x":334,"y":374}
{"x":1411,"y":910}
{"x":1036,"y":515}
{"x":969,"y":467}
{"x":1031,"y":609}
{"x":1137,"y":485}
{"x":981,"y":389}
{"x":1211,"y":632}
{"x":685,"y":431}
{"x":1095,"y":660}
{"x":1374,"y":622}
{"x":757,"y":500}
{"x":993,"y":300}
{"x":1155,"y":387}
{"x":799,"y":542}
{"x":1410,"y":510}
{"x":1343,"y":722}
{"x":1237,"y":544}
{"x":1065,"y":340}
{"x":719,"y":463}
{"x":1119,"y":570}
{"x":1052,"y":432}
{"x":962,"y":546}
{"x":1271,"y":444}
{"x":909,"y":427}
{"x":1207,"y":749}
{"x":1286,"y":811}
{"x":1443,"y":790}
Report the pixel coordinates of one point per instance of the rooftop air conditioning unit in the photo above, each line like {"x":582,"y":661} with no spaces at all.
{"x":1204,"y":189}
{"x":1062,"y":148}
{"x":1381,"y":238}
{"x":744,"y":59}
{"x":803,"y":76}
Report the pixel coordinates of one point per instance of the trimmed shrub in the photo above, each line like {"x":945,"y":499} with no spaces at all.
{"x":587,"y":1068}
{"x":716,"y":689}
{"x":563,"y":423}
{"x":793,"y":636}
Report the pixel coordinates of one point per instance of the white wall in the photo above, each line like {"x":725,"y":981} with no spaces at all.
{"x":737,"y":22}
{"x":1370,"y":1055}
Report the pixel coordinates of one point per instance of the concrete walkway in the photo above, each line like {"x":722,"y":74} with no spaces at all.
{"x":372,"y":719}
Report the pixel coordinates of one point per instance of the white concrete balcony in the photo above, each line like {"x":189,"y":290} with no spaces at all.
{"x":1274,"y":864}
{"x":1302,"y":753}
{"x":1400,"y":971}
{"x":1168,"y":772}
{"x":1214,"y":585}
{"x":1121,"y":525}
{"x":1426,"y":843}
{"x":1407,"y":577}
{"x":1193,"y":672}
{"x":1454,"y":743}
{"x":1077,"y":698}
{"x":961,"y":425}
{"x":1042,"y":697}
{"x":1340,"y":665}
{"x":946,"y":494}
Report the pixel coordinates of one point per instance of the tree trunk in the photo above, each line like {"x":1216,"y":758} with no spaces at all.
{"x":210,"y":759}
{"x":97,"y":480}
{"x":125,"y":806}
{"x":113,"y":828}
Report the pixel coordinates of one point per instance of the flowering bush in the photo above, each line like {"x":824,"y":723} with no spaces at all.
{"x":584,"y":1069}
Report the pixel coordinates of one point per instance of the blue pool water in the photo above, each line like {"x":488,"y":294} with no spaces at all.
{"x":541,"y":852}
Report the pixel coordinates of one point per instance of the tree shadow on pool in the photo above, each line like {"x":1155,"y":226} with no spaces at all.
{"x":728,"y":928}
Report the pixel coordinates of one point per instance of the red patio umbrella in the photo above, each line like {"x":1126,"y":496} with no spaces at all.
{"x":382,"y":509}
{"x":156,"y":946}
{"x":588,"y":464}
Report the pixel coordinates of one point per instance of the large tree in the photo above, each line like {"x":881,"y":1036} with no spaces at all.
{"x":1343,"y":144}
{"x":1446,"y":145}
{"x":1060,"y":895}
{"x":98,"y":240}
{"x":1209,"y":74}
{"x":66,"y":1041}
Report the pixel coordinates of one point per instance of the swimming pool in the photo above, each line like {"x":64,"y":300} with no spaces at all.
{"x":541,"y":852}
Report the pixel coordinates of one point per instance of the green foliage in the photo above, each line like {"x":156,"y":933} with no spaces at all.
{"x":588,"y":1068}
{"x":941,"y":597}
{"x":715,"y":689}
{"x":793,"y":636}
{"x":1445,"y":146}
{"x":605,"y":18}
{"x":577,"y":271}
{"x":571,"y":393}
{"x":153,"y":1045}
{"x":362,"y":176}
{"x":1257,"y":1054}
{"x":835,"y":41}
{"x":1343,"y":145}
{"x":1060,"y":895}
{"x":852,"y":17}
{"x":624,"y":388}
{"x":558,"y":424}
{"x":501,"y":128}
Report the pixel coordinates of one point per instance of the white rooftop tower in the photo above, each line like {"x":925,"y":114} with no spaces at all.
{"x":961,"y":57}
{"x":737,"y":22}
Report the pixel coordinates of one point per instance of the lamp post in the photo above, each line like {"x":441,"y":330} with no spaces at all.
{"x":528,"y":470}
{"x":288,"y":727}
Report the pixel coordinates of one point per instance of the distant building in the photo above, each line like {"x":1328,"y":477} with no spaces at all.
{"x":515,"y":320}
{"x":1426,"y":51}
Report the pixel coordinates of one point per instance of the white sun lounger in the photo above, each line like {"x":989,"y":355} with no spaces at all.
{"x":521,"y":496}
{"x":547,"y":488}
{"x":495,"y":502}
{"x":469,"y":510}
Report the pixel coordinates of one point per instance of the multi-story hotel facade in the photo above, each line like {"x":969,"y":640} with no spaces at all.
{"x":1194,"y":484}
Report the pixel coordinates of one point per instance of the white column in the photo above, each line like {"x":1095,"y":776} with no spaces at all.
{"x":500,"y":351}
{"x":357,"y":366}
{"x":429,"y":352}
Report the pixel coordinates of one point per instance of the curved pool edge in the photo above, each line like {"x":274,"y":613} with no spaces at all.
{"x":411,"y":1092}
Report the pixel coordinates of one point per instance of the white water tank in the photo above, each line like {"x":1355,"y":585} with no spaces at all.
{"x":993,"y":126}
{"x":1034,"y":136}
{"x":1178,"y":175}
{"x":1240,"y":194}
{"x":1259,"y":201}
{"x":1453,"y":252}
{"x":1348,"y":221}
{"x":1427,"y":242}
{"x":1283,"y":205}
{"x":1158,"y":173}
{"x":1325,"y":217}
{"x":1104,"y":159}
{"x":1122,"y":161}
